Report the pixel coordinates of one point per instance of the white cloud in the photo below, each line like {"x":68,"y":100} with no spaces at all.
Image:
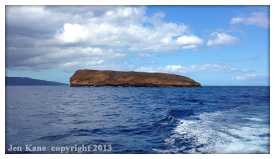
{"x":125,"y":27}
{"x":92,"y":51}
{"x":147,"y":69}
{"x":166,"y":40}
{"x":189,"y":47}
{"x":250,"y":76}
{"x":68,"y":58}
{"x":221,"y":40}
{"x":193,"y":68}
{"x":69,"y":37}
{"x":259,"y":19}
{"x":70,"y":64}
{"x":189,"y":42}
{"x":73,"y":33}
{"x":236,"y":20}
{"x":95,"y":62}
{"x":172,"y":68}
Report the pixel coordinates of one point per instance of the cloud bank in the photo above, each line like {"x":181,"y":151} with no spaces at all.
{"x":250,"y":76}
{"x":194,"y":68}
{"x":91,"y":37}
{"x":259,"y":19}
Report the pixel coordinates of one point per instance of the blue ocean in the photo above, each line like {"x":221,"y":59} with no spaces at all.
{"x":132,"y":120}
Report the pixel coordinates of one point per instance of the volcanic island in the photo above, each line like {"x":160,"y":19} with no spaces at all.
{"x":98,"y":78}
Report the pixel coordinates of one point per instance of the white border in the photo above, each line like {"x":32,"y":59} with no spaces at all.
{"x":129,"y":2}
{"x":138,"y":2}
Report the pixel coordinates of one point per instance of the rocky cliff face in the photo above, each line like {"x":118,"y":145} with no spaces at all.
{"x":129,"y":79}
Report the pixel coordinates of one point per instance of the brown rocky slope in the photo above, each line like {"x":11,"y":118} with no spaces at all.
{"x":129,"y":79}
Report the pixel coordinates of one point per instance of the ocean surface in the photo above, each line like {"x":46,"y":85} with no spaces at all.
{"x":207,"y":120}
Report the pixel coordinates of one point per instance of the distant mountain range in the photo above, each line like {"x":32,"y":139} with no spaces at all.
{"x":25,"y":81}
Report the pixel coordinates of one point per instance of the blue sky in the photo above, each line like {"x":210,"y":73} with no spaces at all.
{"x":214,"y":45}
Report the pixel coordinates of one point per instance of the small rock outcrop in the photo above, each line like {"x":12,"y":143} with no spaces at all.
{"x":96,"y":78}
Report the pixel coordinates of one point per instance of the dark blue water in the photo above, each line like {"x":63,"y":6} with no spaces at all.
{"x":138,"y":120}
